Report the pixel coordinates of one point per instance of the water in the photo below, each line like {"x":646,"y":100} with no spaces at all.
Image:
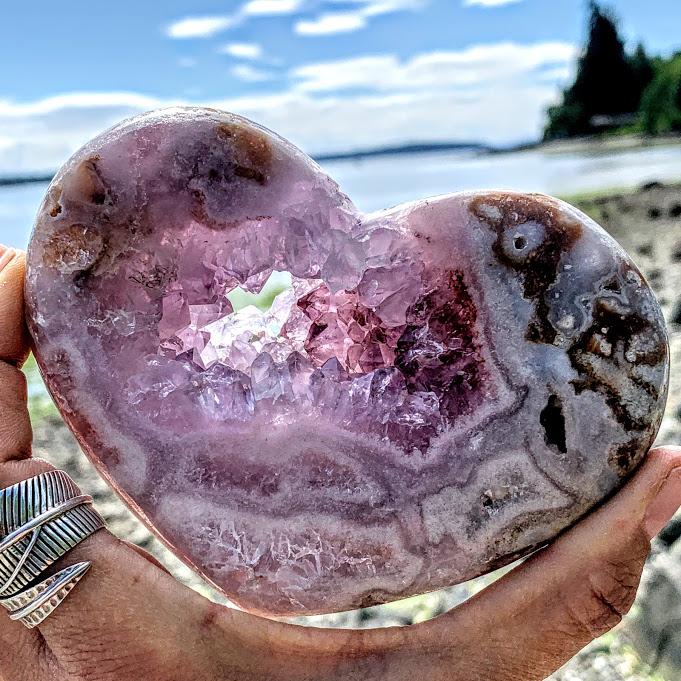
{"x":380,"y":182}
{"x":18,"y":206}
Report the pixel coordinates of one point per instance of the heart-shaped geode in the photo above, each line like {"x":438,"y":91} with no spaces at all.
{"x":445,"y":386}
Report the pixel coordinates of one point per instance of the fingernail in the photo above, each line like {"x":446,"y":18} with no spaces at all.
{"x":6,"y":256}
{"x":665,"y":504}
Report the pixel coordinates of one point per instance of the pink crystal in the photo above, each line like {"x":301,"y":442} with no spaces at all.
{"x":444,"y":387}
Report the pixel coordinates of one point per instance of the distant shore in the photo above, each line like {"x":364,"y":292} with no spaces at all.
{"x":411,"y":148}
{"x":607,"y":143}
{"x":602,"y":144}
{"x":25,"y":179}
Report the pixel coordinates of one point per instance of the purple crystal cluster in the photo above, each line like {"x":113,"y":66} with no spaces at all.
{"x":442,"y":387}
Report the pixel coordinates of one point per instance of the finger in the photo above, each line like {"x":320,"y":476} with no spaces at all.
{"x":538,"y":616}
{"x":522,"y":628}
{"x":121,"y":593}
{"x":23,"y":654}
{"x":127,"y":619}
{"x":15,"y":423}
{"x":15,"y":427}
{"x":118,"y":597}
{"x":14,"y":345}
{"x":22,"y":651}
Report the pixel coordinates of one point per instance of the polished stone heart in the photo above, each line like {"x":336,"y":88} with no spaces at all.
{"x":443,"y":387}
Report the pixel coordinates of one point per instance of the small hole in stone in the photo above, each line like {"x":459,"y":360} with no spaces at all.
{"x":613,"y":285}
{"x":553,"y":423}
{"x":519,"y":242}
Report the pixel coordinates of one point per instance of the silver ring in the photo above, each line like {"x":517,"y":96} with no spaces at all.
{"x":34,"y":605}
{"x":41,"y":519}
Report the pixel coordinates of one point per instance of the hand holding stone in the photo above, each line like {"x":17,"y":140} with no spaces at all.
{"x":130,"y":620}
{"x":446,"y":386}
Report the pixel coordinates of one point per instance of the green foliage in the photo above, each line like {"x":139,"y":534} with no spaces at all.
{"x":566,"y":120}
{"x":609,"y":83}
{"x":661,"y":104}
{"x":643,"y":71}
{"x":40,"y":403}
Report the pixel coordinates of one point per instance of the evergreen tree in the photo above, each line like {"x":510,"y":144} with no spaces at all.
{"x":606,"y":83}
{"x":643,"y":71}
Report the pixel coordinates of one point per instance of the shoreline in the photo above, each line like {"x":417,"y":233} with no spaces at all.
{"x":647,"y":223}
{"x":582,"y":145}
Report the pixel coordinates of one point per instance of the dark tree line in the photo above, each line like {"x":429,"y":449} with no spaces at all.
{"x":615,"y":90}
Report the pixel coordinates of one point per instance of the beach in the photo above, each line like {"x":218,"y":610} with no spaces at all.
{"x":377,"y":182}
{"x":647,"y":223}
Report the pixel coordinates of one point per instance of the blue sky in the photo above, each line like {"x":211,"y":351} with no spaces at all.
{"x":329,"y":74}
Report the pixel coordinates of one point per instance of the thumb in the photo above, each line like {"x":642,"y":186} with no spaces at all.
{"x":529,"y":623}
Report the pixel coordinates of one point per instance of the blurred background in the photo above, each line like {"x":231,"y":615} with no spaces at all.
{"x":397,"y":99}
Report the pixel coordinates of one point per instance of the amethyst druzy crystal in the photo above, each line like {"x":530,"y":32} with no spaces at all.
{"x":442,"y":387}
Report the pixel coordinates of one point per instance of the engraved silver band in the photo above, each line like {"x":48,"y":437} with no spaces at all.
{"x":41,"y":519}
{"x":34,"y":605}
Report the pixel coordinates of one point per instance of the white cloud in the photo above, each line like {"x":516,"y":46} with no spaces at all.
{"x":249,"y":74}
{"x":208,"y":26}
{"x":242,"y":50}
{"x":477,"y":65}
{"x":375,"y":7}
{"x":488,"y":3}
{"x":557,"y":73}
{"x":199,"y":27}
{"x":326,"y":24}
{"x":271,"y":7}
{"x":36,"y":137}
{"x":349,"y":73}
{"x":74,"y":101}
{"x":353,"y":20}
{"x":43,"y":133}
{"x":491,"y":93}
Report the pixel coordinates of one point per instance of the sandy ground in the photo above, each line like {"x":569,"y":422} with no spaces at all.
{"x":648,"y":224}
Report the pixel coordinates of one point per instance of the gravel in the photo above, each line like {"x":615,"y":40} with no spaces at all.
{"x":645,"y":647}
